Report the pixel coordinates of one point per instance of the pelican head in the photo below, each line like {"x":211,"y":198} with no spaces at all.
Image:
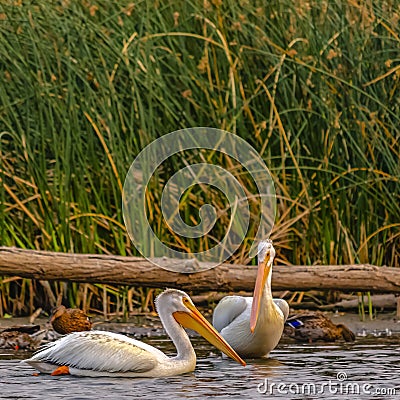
{"x":178,"y":304}
{"x":266,"y":255}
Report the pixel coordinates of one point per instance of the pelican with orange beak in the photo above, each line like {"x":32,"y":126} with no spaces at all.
{"x":98,"y":353}
{"x":253,"y":326}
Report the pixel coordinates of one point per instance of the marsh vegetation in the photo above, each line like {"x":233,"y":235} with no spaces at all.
{"x":313,"y":86}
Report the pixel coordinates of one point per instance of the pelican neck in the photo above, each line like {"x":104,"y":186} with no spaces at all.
{"x":178,"y":335}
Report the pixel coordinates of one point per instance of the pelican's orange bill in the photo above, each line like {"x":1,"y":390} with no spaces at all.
{"x":262,"y":274}
{"x":194,"y":320}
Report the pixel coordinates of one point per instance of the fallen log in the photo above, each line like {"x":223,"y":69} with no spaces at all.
{"x":136,"y":271}
{"x":380,"y":301}
{"x":215,"y":297}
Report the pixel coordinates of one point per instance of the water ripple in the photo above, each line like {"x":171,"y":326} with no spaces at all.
{"x":375,"y":364}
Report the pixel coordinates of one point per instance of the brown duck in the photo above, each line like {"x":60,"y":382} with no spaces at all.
{"x":21,"y":337}
{"x":312,"y":327}
{"x":68,"y":320}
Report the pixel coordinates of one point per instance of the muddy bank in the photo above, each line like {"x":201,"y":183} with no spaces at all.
{"x":149,"y":325}
{"x":383,"y":325}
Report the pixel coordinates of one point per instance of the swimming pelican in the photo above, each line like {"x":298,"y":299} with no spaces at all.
{"x":98,"y":353}
{"x":253,"y":326}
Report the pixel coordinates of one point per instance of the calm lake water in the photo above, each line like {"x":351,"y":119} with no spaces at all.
{"x":370,"y":368}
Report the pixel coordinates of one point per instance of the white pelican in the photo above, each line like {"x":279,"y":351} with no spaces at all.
{"x":98,"y":353}
{"x":253,"y":326}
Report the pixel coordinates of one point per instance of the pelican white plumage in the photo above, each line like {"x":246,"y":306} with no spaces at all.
{"x":253,"y":326}
{"x":98,"y":353}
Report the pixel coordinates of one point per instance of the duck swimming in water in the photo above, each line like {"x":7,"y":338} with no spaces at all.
{"x":312,"y":327}
{"x":21,"y":337}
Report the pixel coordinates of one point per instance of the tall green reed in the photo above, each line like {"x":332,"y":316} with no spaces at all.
{"x":314,"y":87}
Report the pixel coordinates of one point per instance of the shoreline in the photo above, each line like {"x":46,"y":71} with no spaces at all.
{"x":149,"y":325}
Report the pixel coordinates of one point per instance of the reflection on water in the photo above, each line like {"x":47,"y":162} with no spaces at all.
{"x":294,"y":367}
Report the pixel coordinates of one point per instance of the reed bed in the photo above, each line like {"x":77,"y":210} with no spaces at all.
{"x":313,"y":86}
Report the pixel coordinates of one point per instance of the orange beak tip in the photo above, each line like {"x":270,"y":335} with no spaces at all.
{"x":252,"y":326}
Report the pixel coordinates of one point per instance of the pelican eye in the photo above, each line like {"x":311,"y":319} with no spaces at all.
{"x":185,"y":300}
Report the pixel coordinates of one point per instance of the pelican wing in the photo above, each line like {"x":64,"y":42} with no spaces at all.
{"x":99,"y":351}
{"x":227,"y":310}
{"x":283,"y":306}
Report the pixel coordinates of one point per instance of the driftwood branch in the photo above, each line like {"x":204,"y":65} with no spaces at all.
{"x":137,"y":271}
{"x":386,"y":301}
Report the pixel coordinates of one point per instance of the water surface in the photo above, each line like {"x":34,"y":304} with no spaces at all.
{"x":294,"y":372}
